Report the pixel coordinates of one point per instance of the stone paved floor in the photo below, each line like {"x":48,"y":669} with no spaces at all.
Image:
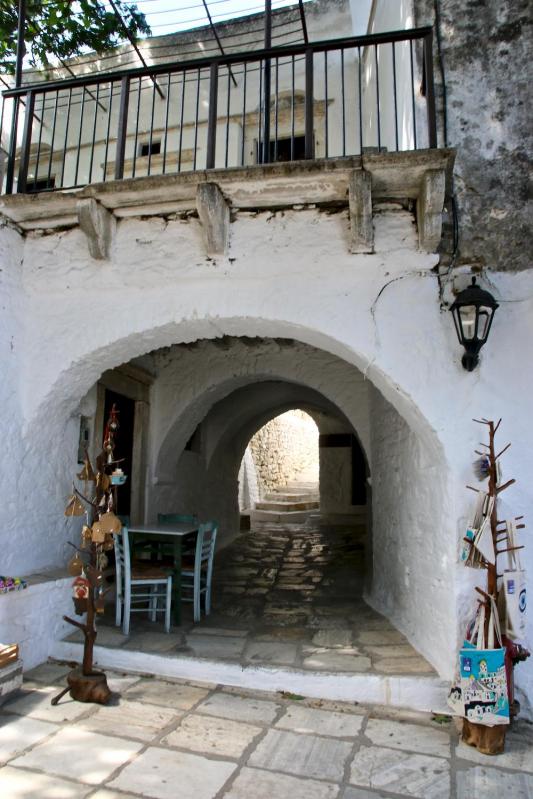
{"x":164,"y":740}
{"x":286,"y":595}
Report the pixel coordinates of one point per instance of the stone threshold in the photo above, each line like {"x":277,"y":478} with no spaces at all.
{"x":417,"y":692}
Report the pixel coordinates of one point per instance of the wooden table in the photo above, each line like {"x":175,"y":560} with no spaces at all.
{"x":169,"y":533}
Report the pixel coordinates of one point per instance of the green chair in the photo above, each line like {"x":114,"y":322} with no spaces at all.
{"x":197,"y":571}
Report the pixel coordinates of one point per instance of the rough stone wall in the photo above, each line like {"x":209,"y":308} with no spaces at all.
{"x":487,"y":49}
{"x":283,"y":449}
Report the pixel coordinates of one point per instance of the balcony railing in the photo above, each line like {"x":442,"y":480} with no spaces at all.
{"x":322,"y":100}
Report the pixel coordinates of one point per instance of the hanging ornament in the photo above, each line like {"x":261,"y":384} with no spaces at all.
{"x":75,"y":565}
{"x":98,"y":534}
{"x":102,"y":482}
{"x":86,"y":536}
{"x":103,"y":561}
{"x":482,"y":467}
{"x":87,"y":473}
{"x":74,"y":506}
{"x":110,"y":523}
{"x":111,"y":428}
{"x":99,"y":602}
{"x":80,"y":594}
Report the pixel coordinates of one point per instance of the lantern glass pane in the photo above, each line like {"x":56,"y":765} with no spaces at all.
{"x":467,"y":318}
{"x":483,"y":322}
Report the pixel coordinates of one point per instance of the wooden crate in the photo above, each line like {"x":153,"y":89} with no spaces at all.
{"x":9,"y":653}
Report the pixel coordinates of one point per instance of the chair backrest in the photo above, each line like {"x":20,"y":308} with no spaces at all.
{"x":205,"y":544}
{"x":176,"y":518}
{"x":122,"y":557}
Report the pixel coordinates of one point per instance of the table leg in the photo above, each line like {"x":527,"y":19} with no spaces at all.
{"x":176,"y":582}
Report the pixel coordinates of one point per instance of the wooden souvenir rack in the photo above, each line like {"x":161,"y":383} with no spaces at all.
{"x":491,"y":740}
{"x":85,"y":683}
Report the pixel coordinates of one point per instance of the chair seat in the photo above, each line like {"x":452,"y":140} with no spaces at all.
{"x":148,"y":571}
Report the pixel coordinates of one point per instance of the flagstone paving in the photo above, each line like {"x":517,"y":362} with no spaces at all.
{"x":286,"y":595}
{"x":161,"y":740}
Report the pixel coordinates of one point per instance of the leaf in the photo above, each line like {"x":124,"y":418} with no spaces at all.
{"x":292,"y":697}
{"x":441,"y":718}
{"x":64,"y":29}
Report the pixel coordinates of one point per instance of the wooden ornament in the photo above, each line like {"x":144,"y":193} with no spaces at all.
{"x":98,"y":535}
{"x":99,"y":602}
{"x":86,"y":534}
{"x":74,"y":506}
{"x":87,"y":473}
{"x":75,"y":565}
{"x":102,"y":482}
{"x":110,"y":523}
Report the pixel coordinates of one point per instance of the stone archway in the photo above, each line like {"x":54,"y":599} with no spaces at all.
{"x":402,"y":518}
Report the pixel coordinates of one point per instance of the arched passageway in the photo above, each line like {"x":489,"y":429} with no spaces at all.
{"x":284,"y":452}
{"x":203,"y":401}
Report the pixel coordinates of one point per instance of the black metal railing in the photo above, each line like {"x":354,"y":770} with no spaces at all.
{"x":327,"y":99}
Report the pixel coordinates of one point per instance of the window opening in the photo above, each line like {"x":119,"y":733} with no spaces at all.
{"x":40,"y":185}
{"x":145,"y":148}
{"x":283,"y":150}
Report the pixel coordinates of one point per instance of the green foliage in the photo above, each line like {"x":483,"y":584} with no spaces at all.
{"x":291,"y":696}
{"x":64,"y":28}
{"x":441,"y":718}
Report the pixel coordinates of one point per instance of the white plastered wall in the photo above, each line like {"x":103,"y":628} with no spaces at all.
{"x":290,"y":276}
{"x":232,"y":392}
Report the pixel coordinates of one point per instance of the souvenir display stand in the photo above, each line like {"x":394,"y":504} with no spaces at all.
{"x":98,"y":503}
{"x":483,"y":692}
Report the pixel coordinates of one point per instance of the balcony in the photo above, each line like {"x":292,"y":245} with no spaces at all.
{"x":326,"y":100}
{"x":348,"y":122}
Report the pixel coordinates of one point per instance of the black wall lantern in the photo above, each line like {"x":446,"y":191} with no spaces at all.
{"x":473,"y":311}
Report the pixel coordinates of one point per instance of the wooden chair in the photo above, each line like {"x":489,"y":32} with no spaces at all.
{"x":197,"y":572}
{"x":146,"y":576}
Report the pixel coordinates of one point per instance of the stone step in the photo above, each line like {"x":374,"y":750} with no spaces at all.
{"x":286,"y":496}
{"x":298,"y":488}
{"x":282,"y":518}
{"x":287,"y":507}
{"x":414,"y":692}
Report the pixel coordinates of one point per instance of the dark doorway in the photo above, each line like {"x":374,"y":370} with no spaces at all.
{"x":123,"y":442}
{"x":359,"y":470}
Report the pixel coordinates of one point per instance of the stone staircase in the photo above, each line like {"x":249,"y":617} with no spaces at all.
{"x":291,"y":503}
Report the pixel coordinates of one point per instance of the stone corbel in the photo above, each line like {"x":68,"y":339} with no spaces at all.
{"x":429,"y":208}
{"x":98,"y":224}
{"x":360,"y":205}
{"x":214,"y":214}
